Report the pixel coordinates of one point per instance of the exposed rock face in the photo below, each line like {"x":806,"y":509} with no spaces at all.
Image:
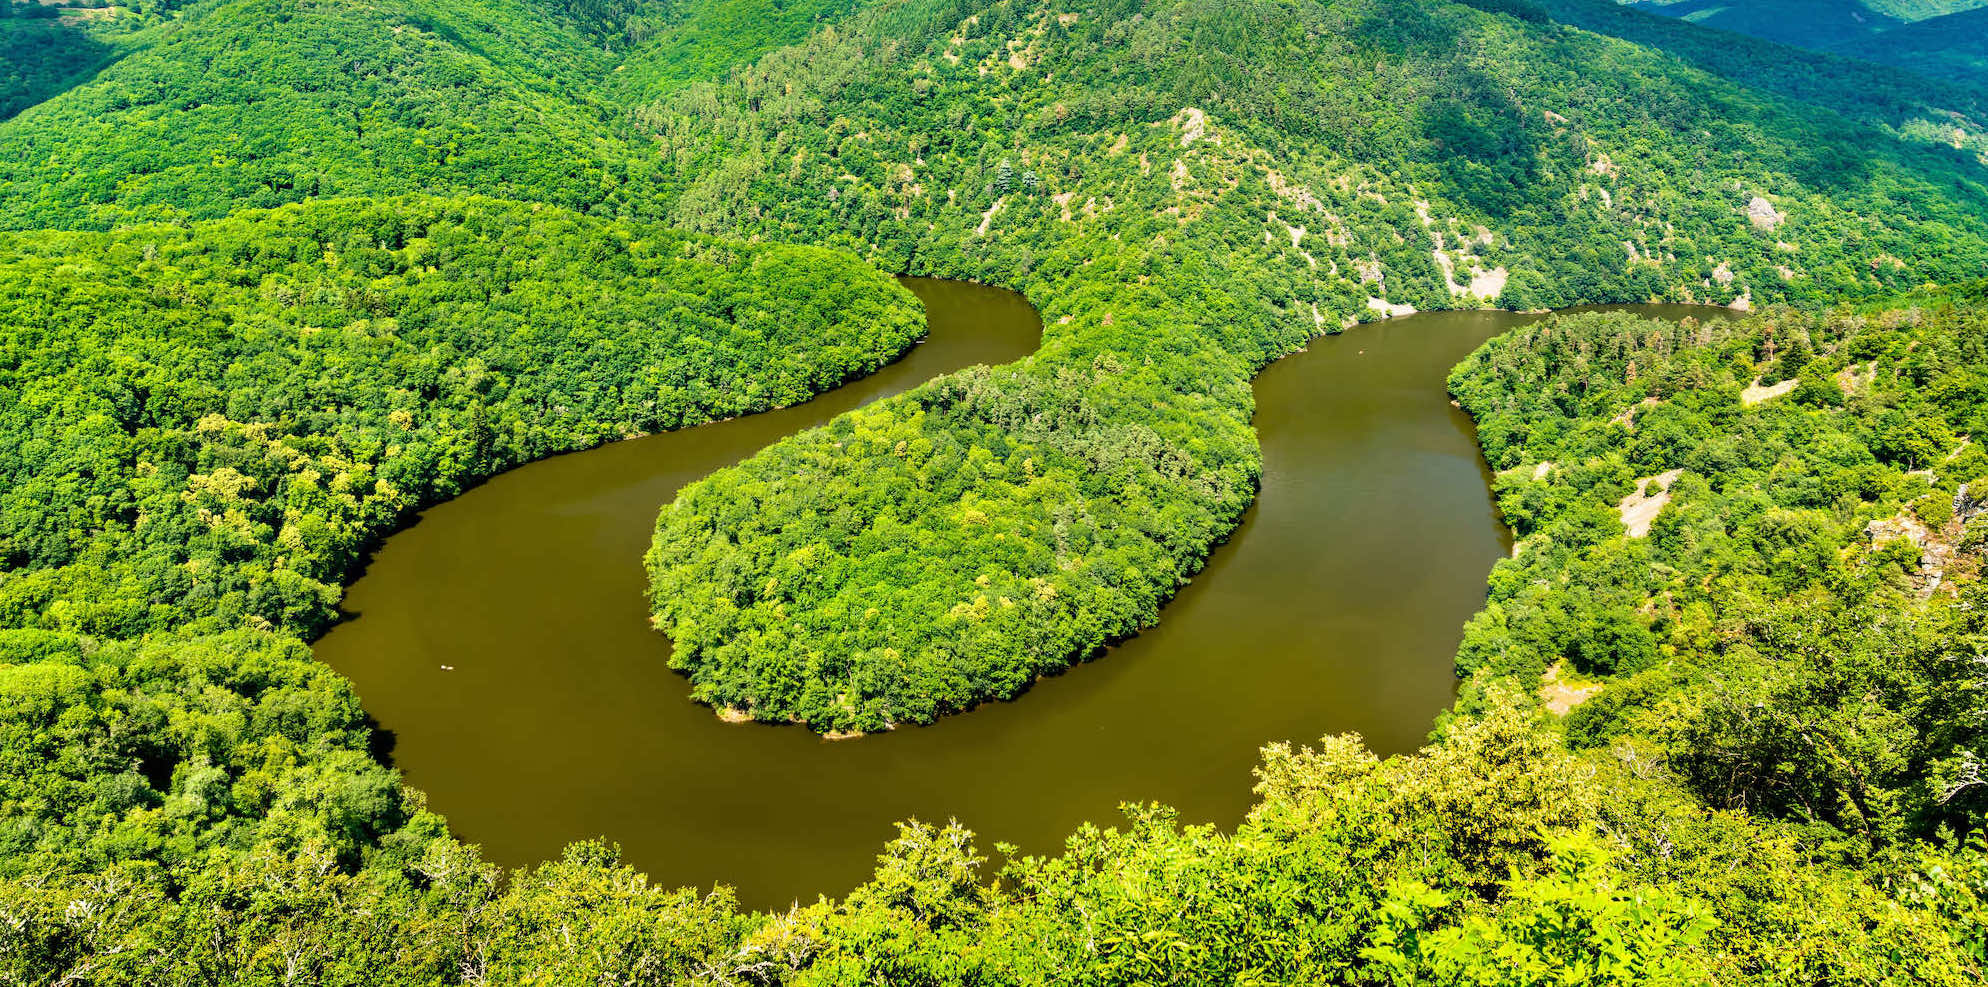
{"x":1483,"y":284}
{"x":1389,"y":310}
{"x":1763,"y":215}
{"x":1968,"y":505}
{"x":1936,"y":548}
{"x":1892,"y":529}
{"x":987,"y":218}
{"x":1560,"y":696}
{"x":1757,"y":392}
{"x":1193,"y":125}
{"x":1642,"y":507}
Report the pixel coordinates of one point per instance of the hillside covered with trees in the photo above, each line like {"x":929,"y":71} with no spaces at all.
{"x":279,"y":274}
{"x":1954,"y":46}
{"x":1808,"y":25}
{"x":998,"y":526}
{"x":204,"y":108}
{"x":206,"y":426}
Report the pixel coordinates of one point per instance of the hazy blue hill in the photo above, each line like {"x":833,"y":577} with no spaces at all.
{"x":1931,"y":37}
{"x":1857,"y":89}
{"x":1802,"y":23}
{"x":1954,"y":46}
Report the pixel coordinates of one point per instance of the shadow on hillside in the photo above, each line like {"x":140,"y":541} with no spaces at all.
{"x":42,"y":57}
{"x":1402,"y":27}
{"x":1486,"y":150}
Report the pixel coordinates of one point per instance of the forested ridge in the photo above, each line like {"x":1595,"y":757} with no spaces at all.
{"x":200,"y":109}
{"x":1955,"y":46}
{"x":1814,"y":25}
{"x":1742,"y":745}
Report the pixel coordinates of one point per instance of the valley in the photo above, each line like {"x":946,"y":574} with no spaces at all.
{"x":433,"y":432}
{"x":526,"y":697}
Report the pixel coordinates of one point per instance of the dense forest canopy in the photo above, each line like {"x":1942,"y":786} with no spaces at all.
{"x":215,"y":106}
{"x":1722,"y":717}
{"x":206,"y":425}
{"x":1804,"y":516}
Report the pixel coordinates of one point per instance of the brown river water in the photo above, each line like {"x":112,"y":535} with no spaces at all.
{"x":1336,"y":606}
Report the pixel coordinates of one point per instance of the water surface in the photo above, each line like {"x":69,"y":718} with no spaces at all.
{"x":1336,"y":606}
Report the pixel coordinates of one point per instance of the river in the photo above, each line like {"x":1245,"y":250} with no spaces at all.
{"x":503,"y":640}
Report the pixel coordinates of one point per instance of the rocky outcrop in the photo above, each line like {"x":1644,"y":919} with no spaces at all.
{"x":1642,"y":507}
{"x":1968,"y":504}
{"x":1762,"y":214}
{"x":1757,"y":392}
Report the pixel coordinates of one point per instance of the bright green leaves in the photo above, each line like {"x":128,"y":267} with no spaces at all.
{"x":1570,"y":926}
{"x":589,"y":918}
{"x":945,"y":547}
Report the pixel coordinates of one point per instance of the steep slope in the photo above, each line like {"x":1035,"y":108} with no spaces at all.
{"x":230,"y":104}
{"x":250,"y":103}
{"x":1182,"y":216}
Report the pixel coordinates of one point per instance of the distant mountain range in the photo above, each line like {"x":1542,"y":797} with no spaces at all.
{"x":1941,"y":38}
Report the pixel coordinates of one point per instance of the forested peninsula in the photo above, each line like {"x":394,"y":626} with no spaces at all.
{"x":278,"y":275}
